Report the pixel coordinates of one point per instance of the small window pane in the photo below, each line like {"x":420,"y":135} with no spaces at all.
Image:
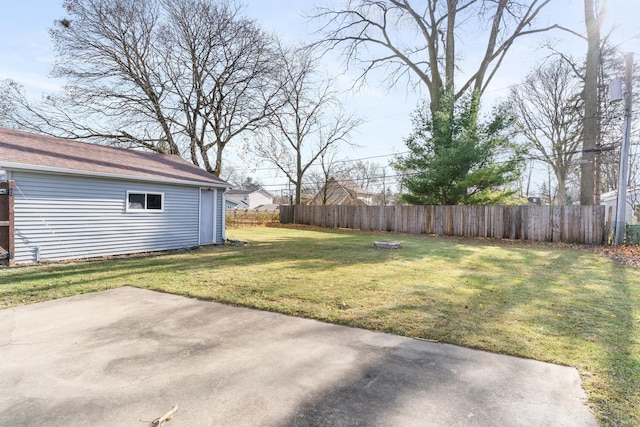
{"x":136,"y":201}
{"x":154,"y":201}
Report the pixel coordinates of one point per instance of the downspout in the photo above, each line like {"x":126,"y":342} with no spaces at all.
{"x":224,"y":214}
{"x":199,"y":214}
{"x":215,"y":216}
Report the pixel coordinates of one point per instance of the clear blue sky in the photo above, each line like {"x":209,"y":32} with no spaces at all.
{"x":26,"y":56}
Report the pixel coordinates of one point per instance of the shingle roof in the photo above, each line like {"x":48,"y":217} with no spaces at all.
{"x":24,"y":149}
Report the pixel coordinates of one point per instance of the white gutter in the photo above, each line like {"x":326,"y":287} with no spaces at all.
{"x":65,"y":171}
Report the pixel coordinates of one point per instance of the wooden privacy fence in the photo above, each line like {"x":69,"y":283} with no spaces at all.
{"x":249,"y":218}
{"x":571,"y":224}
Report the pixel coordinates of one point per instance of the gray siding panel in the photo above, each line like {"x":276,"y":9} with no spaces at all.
{"x":71,"y":217}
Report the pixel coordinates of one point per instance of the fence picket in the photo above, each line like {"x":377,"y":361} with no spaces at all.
{"x":572,"y":224}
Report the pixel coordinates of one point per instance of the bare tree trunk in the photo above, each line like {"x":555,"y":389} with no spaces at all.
{"x":529,"y":179}
{"x":299,"y":175}
{"x":598,"y":183}
{"x":561,"y":198}
{"x":590,"y":95}
{"x":217,"y":170}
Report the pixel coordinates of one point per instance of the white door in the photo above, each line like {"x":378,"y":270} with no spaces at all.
{"x":206,"y":216}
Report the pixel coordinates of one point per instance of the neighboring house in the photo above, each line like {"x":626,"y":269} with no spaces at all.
{"x":75,"y":200}
{"x":230,"y":204}
{"x":247,"y":199}
{"x":342,"y":192}
{"x":632,"y":212}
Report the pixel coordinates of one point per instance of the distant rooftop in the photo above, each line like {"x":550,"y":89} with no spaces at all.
{"x":238,"y":191}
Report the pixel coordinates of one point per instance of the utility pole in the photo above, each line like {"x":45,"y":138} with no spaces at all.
{"x":621,"y":205}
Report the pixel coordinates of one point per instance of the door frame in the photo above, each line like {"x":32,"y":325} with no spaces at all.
{"x":214,"y":194}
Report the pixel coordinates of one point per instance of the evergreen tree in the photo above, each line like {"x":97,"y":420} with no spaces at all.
{"x":453,"y":159}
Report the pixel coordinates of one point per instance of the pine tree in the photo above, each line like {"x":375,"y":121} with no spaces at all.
{"x":454,"y":159}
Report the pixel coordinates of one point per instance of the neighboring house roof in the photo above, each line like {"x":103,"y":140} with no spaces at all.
{"x":613,"y":195}
{"x":240,"y":192}
{"x":242,"y":206}
{"x":247,"y":199}
{"x":268,"y":207}
{"x":27,"y":151}
{"x":339,"y":192}
{"x":232,"y":204}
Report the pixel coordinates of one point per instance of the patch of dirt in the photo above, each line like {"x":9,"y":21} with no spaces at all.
{"x":629,"y":255}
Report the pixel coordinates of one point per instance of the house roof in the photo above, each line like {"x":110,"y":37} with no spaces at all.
{"x":340,"y":191}
{"x":613,"y":195}
{"x":238,"y":192}
{"x":27,"y":151}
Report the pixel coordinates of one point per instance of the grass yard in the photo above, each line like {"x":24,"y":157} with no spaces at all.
{"x":556,"y":304}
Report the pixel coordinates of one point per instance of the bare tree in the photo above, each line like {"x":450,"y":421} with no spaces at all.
{"x":591,"y":129}
{"x":605,"y":125}
{"x":310,"y":121}
{"x":366,"y":175}
{"x":5,"y":105}
{"x":232,"y":175}
{"x":251,"y":184}
{"x":549,"y":108}
{"x":420,"y":40}
{"x":178,"y":76}
{"x":331,"y":167}
{"x":368,"y":178}
{"x":611,"y":122}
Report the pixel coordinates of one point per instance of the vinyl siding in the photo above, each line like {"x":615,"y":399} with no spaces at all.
{"x":71,"y":217}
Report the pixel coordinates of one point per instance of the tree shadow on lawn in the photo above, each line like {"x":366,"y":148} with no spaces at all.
{"x":561,"y":297}
{"x":414,"y":382}
{"x":337,"y":247}
{"x":571,"y":307}
{"x":31,"y":284}
{"x":598,"y":322}
{"x":292,"y":250}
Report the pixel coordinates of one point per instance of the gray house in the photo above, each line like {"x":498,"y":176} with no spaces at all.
{"x":66,"y":199}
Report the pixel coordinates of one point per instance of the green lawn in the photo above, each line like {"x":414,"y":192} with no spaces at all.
{"x":555,"y":304}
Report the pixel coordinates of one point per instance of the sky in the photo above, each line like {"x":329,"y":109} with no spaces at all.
{"x":26,"y":56}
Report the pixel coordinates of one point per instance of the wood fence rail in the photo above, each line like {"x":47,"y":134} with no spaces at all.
{"x":570,"y":224}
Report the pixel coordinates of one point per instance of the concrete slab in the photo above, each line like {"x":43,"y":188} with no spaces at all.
{"x":124,"y":357}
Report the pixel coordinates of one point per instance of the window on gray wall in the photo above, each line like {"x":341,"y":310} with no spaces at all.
{"x":154,"y":201}
{"x":139,"y":201}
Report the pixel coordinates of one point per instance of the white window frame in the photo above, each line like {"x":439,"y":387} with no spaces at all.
{"x":144,"y":210}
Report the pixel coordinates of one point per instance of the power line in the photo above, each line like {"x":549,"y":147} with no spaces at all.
{"x":395,"y":179}
{"x":316,"y":164}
